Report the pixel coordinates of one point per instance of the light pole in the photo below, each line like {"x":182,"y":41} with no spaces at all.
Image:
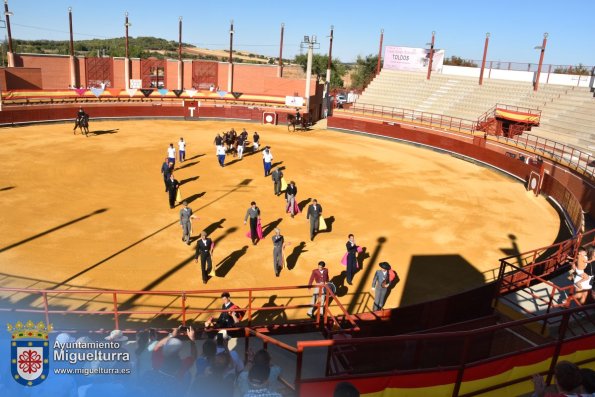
{"x":73,"y":82}
{"x":431,"y":55}
{"x":328,"y":73}
{"x":230,"y":69}
{"x":180,"y":65}
{"x":310,"y":43}
{"x":483,"y":60}
{"x":542,"y":48}
{"x":9,"y":53}
{"x":127,"y":55}
{"x":280,"y":70}
{"x":379,"y":52}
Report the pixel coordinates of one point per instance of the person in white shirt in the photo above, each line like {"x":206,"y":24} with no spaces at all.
{"x":221,"y":155}
{"x":182,"y":150}
{"x":171,"y":154}
{"x":267,"y":158}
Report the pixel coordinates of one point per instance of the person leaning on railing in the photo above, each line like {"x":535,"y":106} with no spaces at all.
{"x":581,"y":278}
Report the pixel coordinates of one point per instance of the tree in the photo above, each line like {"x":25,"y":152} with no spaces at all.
{"x":364,"y":71}
{"x":319,"y":65}
{"x":458,"y":61}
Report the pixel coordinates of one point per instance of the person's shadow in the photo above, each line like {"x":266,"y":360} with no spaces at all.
{"x":268,"y":228}
{"x":292,"y":258}
{"x":302,"y":204}
{"x":223,"y":267}
{"x":361,"y":256}
{"x":329,"y":224}
{"x":391,"y":286}
{"x":339,"y":281}
{"x":269,"y":315}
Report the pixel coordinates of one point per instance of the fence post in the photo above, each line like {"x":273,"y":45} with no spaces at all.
{"x":561,"y":333}
{"x":461,"y":370}
{"x":46,"y":309}
{"x":183,"y":308}
{"x":298,"y":368}
{"x":116,"y":315}
{"x":249,"y":308}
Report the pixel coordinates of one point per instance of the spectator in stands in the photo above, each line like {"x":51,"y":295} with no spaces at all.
{"x":218,"y":380}
{"x":588,"y":376}
{"x":263,"y":359}
{"x":223,"y":346}
{"x":209,"y":350}
{"x":258,"y":378}
{"x":568,"y":381}
{"x":345,"y":389}
{"x":581,"y":279}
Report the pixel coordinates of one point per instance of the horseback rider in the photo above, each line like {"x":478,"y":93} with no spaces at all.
{"x":298,"y":116}
{"x":79,"y":116}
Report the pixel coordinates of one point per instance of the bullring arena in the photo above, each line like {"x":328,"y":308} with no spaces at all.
{"x":478,"y":193}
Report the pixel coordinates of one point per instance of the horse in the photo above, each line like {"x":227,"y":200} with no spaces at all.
{"x":83,"y":124}
{"x":294,"y":124}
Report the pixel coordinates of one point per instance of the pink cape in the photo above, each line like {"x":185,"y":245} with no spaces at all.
{"x":296,"y":208}
{"x":258,"y":231}
{"x":344,"y":260}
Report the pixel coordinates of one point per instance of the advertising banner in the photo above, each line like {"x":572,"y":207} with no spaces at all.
{"x":294,"y":101}
{"x":411,"y":59}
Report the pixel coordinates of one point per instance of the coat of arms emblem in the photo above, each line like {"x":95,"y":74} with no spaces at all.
{"x":29,"y":352}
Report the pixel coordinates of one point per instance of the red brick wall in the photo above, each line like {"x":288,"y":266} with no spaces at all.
{"x":262,"y":79}
{"x":55,"y":70}
{"x":171,"y":75}
{"x":135,"y":69}
{"x":20,"y":78}
{"x":119,"y":81}
{"x":82,"y":70}
{"x":187,"y":83}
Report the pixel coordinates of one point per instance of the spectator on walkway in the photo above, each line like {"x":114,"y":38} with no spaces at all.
{"x":345,"y":389}
{"x":261,"y":358}
{"x":568,"y":381}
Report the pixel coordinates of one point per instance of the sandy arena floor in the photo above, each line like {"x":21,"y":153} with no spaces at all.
{"x":92,"y":213}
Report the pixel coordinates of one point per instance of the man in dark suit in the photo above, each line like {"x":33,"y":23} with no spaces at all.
{"x":227,"y":318}
{"x":314,"y":211}
{"x":166,"y":169}
{"x":204,"y":249}
{"x":351,"y":258}
{"x":320,"y":277}
{"x":290,"y":194}
{"x":380,"y":285}
{"x":172,"y":189}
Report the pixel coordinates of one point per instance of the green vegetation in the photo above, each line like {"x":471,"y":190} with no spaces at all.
{"x":364,"y":71}
{"x":319,"y":65}
{"x":579,"y":69}
{"x":458,"y":61}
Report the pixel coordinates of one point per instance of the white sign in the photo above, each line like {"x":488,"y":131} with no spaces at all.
{"x":412,"y":59}
{"x":297,"y":101}
{"x":138,"y":84}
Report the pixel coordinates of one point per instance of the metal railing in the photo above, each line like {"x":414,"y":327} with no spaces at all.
{"x":179,"y":305}
{"x":566,"y":155}
{"x":415,"y":116}
{"x":531,"y":67}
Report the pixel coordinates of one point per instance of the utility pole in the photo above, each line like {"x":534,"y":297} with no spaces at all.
{"x":180,"y":64}
{"x":280,"y":70}
{"x":431,"y":56}
{"x":310,"y":43}
{"x":483,"y":60}
{"x":230,"y":69}
{"x":127,"y":55}
{"x":542,"y":48}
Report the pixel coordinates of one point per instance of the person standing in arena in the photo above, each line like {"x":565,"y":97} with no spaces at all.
{"x":241,"y":140}
{"x":320,"y":277}
{"x":221,"y":155}
{"x":314,"y":212}
{"x":277,"y":174}
{"x":166,"y":169}
{"x":182,"y":149}
{"x":204,"y":249}
{"x":254,"y":214}
{"x":267,"y":158}
{"x":290,"y":194}
{"x":172,"y":189}
{"x":171,"y":154}
{"x":351,"y":258}
{"x":380,"y":285}
{"x":186,"y":222}
{"x":278,"y":248}
{"x":256,"y":141}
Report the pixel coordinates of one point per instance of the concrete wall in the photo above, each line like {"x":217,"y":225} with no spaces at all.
{"x":119,"y":80}
{"x":516,"y":75}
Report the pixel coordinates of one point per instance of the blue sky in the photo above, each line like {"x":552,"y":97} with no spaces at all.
{"x":515,"y":26}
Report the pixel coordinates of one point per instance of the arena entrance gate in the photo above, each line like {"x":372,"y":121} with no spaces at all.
{"x":99,"y":71}
{"x":153,"y":73}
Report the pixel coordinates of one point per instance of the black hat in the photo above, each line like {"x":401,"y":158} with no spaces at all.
{"x":384,"y":265}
